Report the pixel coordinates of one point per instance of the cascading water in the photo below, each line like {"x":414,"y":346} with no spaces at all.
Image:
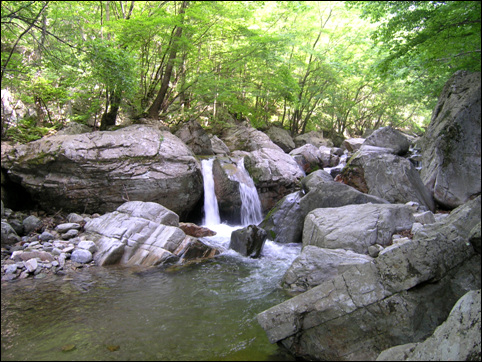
{"x":211,"y":209}
{"x":250,"y":203}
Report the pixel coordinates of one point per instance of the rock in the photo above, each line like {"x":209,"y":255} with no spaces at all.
{"x":313,"y":179}
{"x":26,"y":255}
{"x":132,"y":235}
{"x":353,"y":144}
{"x":72,"y":233}
{"x":150,"y":211}
{"x":475,"y":238}
{"x":31,"y":265}
{"x":308,"y":157}
{"x":226,"y":187}
{"x":73,"y":128}
{"x":314,"y":138}
{"x":218,"y":146}
{"x":31,"y":223}
{"x":316,"y":265}
{"x":387,"y":176}
{"x":63,"y":228}
{"x":284,"y":223}
{"x":274,"y":173}
{"x":81,"y":256}
{"x":282,"y":138}
{"x":196,"y":138}
{"x":99,"y":171}
{"x":451,"y":166}
{"x":87,"y":245}
{"x":193,"y":249}
{"x":195,"y":230}
{"x":75,"y":218}
{"x":426,"y":217}
{"x":400,"y":297}
{"x":248,"y":241}
{"x":329,"y":156}
{"x":246,"y":138}
{"x":390,"y":138}
{"x":46,"y":236}
{"x":9,"y":236}
{"x":355,"y":227}
{"x":457,"y":339}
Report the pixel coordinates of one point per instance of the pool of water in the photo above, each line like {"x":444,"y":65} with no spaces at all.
{"x":204,"y":311}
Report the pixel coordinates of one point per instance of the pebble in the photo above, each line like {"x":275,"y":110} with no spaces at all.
{"x":55,"y":250}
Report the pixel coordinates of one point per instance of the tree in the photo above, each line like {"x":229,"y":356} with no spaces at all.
{"x":431,"y":38}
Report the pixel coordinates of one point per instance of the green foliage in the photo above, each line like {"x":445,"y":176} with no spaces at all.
{"x":304,"y":65}
{"x":27,"y":131}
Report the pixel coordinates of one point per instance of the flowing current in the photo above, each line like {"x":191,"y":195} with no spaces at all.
{"x":202,"y":311}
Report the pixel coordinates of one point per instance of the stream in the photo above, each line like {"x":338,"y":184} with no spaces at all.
{"x":201,"y":311}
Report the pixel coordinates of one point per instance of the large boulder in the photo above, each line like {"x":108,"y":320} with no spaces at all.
{"x":274,"y":173}
{"x":97,"y":172}
{"x":388,"y":137}
{"x":227,"y":177}
{"x":281,"y":137}
{"x":356,"y":227}
{"x":245,"y":138}
{"x":141,"y":233}
{"x":399,"y":298}
{"x":451,"y":146}
{"x":317,"y":265}
{"x":284,"y":223}
{"x":457,"y":339}
{"x":196,"y":138}
{"x":388,"y":176}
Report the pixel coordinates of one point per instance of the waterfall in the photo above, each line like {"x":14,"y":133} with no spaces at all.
{"x":211,"y":210}
{"x":250,"y":202}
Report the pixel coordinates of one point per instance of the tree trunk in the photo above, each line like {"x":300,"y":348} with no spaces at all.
{"x":109,"y":117}
{"x":159,"y":102}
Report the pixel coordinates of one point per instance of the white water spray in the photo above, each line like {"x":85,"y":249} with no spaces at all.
{"x":211,"y":209}
{"x":250,"y":203}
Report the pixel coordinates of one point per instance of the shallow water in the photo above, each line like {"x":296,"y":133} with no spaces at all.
{"x":204,"y":311}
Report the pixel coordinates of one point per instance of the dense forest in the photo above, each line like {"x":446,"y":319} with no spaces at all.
{"x":337,"y":67}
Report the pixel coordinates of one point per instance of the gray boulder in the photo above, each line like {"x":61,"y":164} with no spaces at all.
{"x":246,"y":138}
{"x":356,"y":227}
{"x":99,"y":171}
{"x":248,"y":241}
{"x":457,"y":339}
{"x":388,"y":137}
{"x":282,"y":138}
{"x":399,"y":298}
{"x":9,"y":236}
{"x":314,"y":138}
{"x":31,"y":223}
{"x":308,"y":157}
{"x":388,"y":176}
{"x":196,"y":138}
{"x":219,"y":147}
{"x":317,"y":265}
{"x":353,"y":144}
{"x":226,"y":187}
{"x":274,"y":173}
{"x":134,"y":235}
{"x":284,"y":223}
{"x":451,"y":166}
